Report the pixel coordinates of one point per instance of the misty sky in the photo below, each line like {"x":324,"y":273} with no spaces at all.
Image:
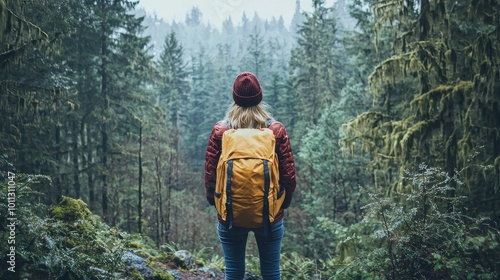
{"x":215,"y":11}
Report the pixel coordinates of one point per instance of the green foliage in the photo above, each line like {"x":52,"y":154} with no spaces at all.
{"x":162,"y":275}
{"x":209,"y":258}
{"x":90,"y":250}
{"x":80,"y":101}
{"x":135,"y":274}
{"x":253,"y":264}
{"x":333,"y":179}
{"x":294,"y":266}
{"x":72,"y":244}
{"x":70,"y":209}
{"x":434,"y":97}
{"x":172,"y":94}
{"x":67,"y":241}
{"x":426,"y":234}
{"x":16,"y":33}
{"x":316,"y":69}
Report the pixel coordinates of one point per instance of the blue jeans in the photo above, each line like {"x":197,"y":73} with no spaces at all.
{"x":234,"y":244}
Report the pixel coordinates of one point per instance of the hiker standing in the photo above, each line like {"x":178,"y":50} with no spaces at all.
{"x":250,"y":178}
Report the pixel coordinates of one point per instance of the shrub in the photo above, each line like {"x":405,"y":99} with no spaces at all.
{"x":424,"y":234}
{"x":69,"y":243}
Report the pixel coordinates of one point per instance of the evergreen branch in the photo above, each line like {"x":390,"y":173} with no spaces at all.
{"x":29,"y":23}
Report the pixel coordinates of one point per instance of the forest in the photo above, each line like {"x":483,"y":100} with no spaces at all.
{"x":392,"y":106}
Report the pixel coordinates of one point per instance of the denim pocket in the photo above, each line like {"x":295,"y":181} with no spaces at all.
{"x":221,"y":227}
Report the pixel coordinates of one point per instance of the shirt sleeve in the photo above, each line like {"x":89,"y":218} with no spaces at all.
{"x":212,"y":158}
{"x":286,"y":161}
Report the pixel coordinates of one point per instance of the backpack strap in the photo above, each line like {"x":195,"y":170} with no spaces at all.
{"x":229,"y":206}
{"x":265,"y":210}
{"x":267,"y":185}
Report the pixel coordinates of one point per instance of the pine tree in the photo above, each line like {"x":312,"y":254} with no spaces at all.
{"x":333,"y":181}
{"x":134,"y":75}
{"x":110,"y":18}
{"x":173,"y":99}
{"x":17,"y":34}
{"x":173,"y":70}
{"x":445,"y":60}
{"x":194,"y":17}
{"x":199,"y":119}
{"x":255,"y":59}
{"x":315,"y":73}
{"x":33,"y":95}
{"x":297,"y":19}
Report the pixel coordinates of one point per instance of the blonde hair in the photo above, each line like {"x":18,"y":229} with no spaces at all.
{"x":248,"y":117}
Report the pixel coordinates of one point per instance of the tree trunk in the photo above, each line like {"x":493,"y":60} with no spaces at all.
{"x":58,"y":163}
{"x":139,"y":203}
{"x":90,"y":169}
{"x":76,"y":181}
{"x":169,"y":187}
{"x":104,"y":133}
{"x":159,"y":204}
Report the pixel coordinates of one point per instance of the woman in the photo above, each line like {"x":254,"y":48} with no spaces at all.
{"x":248,"y":112}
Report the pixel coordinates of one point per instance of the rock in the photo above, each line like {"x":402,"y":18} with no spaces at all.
{"x":203,"y":273}
{"x":250,"y":276}
{"x":211,"y":272}
{"x":184,"y":259}
{"x":139,"y":263}
{"x":175,"y":274}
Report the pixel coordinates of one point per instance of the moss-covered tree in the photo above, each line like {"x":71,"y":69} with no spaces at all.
{"x":446,"y":61}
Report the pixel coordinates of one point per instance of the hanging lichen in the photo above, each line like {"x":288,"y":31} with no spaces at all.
{"x":3,"y":21}
{"x":16,"y":33}
{"x":440,"y":91}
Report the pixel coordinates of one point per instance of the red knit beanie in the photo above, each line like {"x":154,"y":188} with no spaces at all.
{"x":246,"y":90}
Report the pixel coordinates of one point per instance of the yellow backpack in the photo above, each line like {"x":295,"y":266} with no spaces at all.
{"x":247,"y":192}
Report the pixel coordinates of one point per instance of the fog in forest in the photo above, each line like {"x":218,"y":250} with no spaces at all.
{"x":392,"y":109}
